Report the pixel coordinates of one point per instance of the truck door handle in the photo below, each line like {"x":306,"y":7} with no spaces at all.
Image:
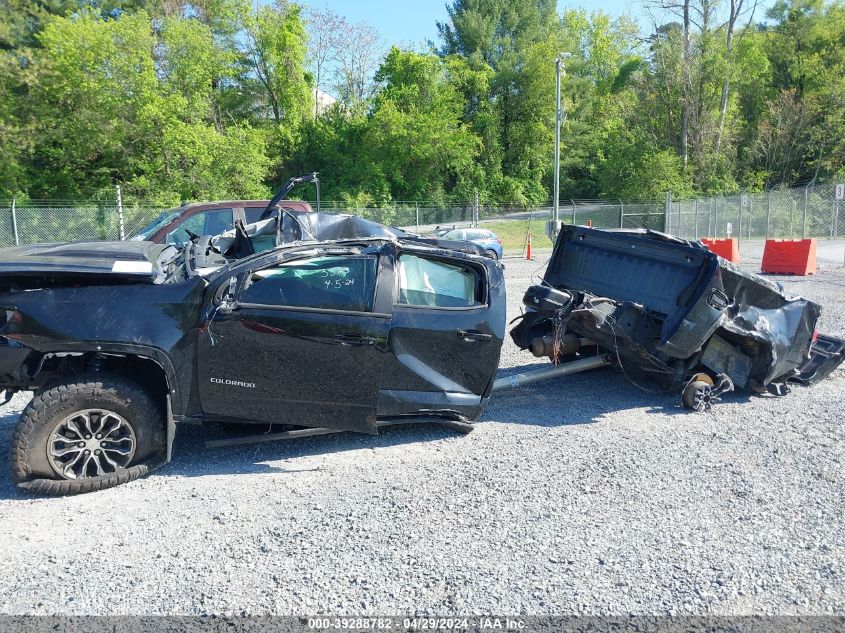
{"x":473,"y":335}
{"x":355,"y":339}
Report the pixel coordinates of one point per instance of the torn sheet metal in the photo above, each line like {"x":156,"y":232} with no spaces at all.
{"x":669,"y":308}
{"x":288,"y":228}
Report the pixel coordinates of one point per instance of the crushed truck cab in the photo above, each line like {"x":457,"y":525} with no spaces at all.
{"x":120,"y":341}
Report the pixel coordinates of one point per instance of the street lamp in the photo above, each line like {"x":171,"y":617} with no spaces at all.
{"x":553,"y":227}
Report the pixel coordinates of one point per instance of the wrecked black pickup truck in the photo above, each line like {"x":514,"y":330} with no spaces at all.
{"x":672,"y":316}
{"x":350,"y":327}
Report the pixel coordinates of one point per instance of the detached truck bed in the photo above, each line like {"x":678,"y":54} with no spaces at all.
{"x":673,"y":315}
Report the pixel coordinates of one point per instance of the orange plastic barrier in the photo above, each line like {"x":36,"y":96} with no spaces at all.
{"x":726,"y":248}
{"x":790,"y":257}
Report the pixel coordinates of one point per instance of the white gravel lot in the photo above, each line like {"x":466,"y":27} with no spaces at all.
{"x":582,"y":495}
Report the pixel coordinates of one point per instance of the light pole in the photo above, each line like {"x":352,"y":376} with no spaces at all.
{"x":553,"y":227}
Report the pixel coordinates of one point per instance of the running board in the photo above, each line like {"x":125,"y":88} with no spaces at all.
{"x":460,"y":426}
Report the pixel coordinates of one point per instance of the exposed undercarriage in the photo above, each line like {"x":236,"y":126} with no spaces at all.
{"x":673,"y":317}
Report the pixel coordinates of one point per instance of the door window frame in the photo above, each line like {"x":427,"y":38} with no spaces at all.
{"x":243,"y":275}
{"x":478,"y":268}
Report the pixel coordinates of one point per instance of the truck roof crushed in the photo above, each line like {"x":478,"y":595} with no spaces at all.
{"x":137,"y":262}
{"x":674,"y":316}
{"x":313,"y":326}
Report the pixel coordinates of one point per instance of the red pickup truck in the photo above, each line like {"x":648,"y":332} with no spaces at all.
{"x":175,"y":226}
{"x":208,"y":218}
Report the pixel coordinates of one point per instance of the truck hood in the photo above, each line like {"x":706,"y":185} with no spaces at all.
{"x":141,"y":262}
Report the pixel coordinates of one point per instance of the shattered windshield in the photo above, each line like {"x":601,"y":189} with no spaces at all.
{"x":162,"y":220}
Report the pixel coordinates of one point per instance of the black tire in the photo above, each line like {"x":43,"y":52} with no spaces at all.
{"x":29,"y":463}
{"x":492,"y":254}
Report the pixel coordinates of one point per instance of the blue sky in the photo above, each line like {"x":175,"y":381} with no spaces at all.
{"x":412,"y":22}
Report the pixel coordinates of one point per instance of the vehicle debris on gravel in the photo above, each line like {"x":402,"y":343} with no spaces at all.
{"x":670,"y":314}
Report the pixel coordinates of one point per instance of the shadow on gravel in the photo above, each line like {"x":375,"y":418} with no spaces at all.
{"x":8,"y":490}
{"x":568,"y":400}
{"x":191,"y":458}
{"x":581,"y":399}
{"x":589,"y":397}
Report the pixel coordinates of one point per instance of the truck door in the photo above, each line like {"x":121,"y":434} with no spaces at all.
{"x":446,"y":335}
{"x":304,"y":345}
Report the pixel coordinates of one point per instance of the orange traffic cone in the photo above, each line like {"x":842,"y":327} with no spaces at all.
{"x":528,"y":247}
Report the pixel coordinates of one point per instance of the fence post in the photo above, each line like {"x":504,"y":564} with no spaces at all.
{"x":715,"y":219}
{"x":15,"y":222}
{"x":832,"y":217}
{"x":621,"y":215}
{"x":750,"y":216}
{"x":695,"y":216}
{"x":418,"y":216}
{"x":667,"y":212}
{"x":804,"y":214}
{"x":678,"y":227}
{"x":678,"y":224}
{"x":573,"y":211}
{"x":709,"y":216}
{"x":121,"y":233}
{"x":768,"y":211}
{"x":475,"y":210}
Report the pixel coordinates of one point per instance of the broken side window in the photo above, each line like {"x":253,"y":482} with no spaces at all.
{"x":335,"y":283}
{"x":429,"y":282}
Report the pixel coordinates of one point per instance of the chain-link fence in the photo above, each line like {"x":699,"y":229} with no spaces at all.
{"x":37,"y":221}
{"x":425,"y":216}
{"x":811,"y":211}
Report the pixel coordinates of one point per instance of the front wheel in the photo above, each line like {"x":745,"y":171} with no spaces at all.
{"x":88,"y":433}
{"x":492,"y":254}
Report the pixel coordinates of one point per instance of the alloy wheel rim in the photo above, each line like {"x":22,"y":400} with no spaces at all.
{"x":91,"y":442}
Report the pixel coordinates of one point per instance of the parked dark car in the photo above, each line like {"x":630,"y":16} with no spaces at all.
{"x":121,"y":340}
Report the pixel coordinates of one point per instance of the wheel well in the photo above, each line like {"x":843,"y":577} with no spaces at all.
{"x":142,"y":370}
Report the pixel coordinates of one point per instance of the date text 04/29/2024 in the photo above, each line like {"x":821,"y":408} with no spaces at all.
{"x":417,"y":624}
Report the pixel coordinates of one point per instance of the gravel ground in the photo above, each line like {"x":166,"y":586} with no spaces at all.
{"x":582,"y":495}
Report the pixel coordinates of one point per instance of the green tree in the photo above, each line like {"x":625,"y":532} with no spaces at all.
{"x":122,"y":122}
{"x":518,"y":41}
{"x":275,"y":48}
{"x":416,"y":132}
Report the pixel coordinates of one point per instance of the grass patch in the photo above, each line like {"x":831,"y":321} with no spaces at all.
{"x":512,"y":233}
